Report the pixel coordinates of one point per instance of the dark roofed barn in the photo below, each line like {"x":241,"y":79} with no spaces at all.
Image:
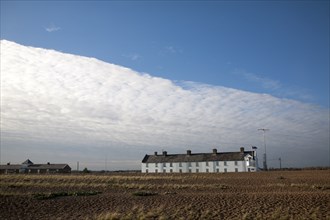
{"x":29,"y":167}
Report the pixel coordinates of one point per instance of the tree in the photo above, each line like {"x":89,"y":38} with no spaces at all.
{"x":85,"y":170}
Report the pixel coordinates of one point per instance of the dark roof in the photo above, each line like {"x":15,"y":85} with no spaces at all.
{"x":27,"y":162}
{"x":47,"y":166}
{"x":11,"y":167}
{"x":199,"y":157}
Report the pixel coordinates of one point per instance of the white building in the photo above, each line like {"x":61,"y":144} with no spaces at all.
{"x":241,"y":161}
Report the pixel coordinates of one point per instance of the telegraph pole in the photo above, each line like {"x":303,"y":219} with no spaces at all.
{"x":265,"y":154}
{"x":280,"y":163}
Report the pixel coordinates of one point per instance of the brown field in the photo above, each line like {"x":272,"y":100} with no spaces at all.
{"x":264,"y":195}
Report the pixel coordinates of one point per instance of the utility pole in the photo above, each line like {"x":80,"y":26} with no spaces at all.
{"x":78,"y":166}
{"x":106,"y":163}
{"x":280,"y":163}
{"x":265,"y":154}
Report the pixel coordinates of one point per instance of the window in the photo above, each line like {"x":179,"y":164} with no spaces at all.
{"x":189,"y":170}
{"x":207,"y":170}
{"x":207,"y":163}
{"x":225,"y":163}
{"x":156,"y":171}
{"x":164,"y":164}
{"x":197,"y":170}
{"x":180,"y":170}
{"x":217,"y":163}
{"x":249,"y":170}
{"x":180,"y":164}
{"x":164,"y":171}
{"x":236,"y":163}
{"x":156,"y":164}
{"x":146,"y":170}
{"x":171,"y":171}
{"x":189,"y":164}
{"x":225,"y":170}
{"x":217,"y":170}
{"x":236,"y":170}
{"x":197,"y":164}
{"x":171,"y":164}
{"x":147,"y":165}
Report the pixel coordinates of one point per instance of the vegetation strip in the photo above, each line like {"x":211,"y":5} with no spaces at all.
{"x":144,"y":193}
{"x":42,"y":196}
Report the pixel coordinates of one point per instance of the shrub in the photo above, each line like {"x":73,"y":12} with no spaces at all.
{"x":144,"y":193}
{"x":42,"y":196}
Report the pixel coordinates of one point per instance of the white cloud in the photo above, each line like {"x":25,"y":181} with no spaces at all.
{"x":263,"y":81}
{"x":133,"y":56}
{"x":275,"y":87}
{"x":170,"y":50}
{"x":78,"y":108}
{"x":52,"y":28}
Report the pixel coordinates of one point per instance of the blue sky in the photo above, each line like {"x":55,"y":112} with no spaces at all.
{"x":198,"y":75}
{"x":275,"y":47}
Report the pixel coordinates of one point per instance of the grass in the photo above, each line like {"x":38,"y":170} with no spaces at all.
{"x":42,"y":196}
{"x":264,"y":195}
{"x":144,"y":193}
{"x":161,"y":213}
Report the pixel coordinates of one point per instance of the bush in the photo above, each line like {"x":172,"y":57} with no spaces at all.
{"x":144,"y":193}
{"x":42,"y":196}
{"x":85,"y":170}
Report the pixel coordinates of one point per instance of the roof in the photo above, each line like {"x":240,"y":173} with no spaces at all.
{"x":47,"y":166}
{"x":11,"y":167}
{"x":198,"y":157}
{"x":32,"y":166}
{"x":27,"y":162}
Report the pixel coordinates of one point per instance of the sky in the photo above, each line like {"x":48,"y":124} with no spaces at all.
{"x":185,"y":74}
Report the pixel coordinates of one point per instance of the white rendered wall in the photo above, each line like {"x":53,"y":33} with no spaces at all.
{"x":200,"y":167}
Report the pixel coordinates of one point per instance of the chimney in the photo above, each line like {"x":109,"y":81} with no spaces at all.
{"x":8,"y":163}
{"x":242,"y":149}
{"x":164,"y":153}
{"x":215,"y":151}
{"x":188,"y":152}
{"x":48,"y":163}
{"x":155,"y":153}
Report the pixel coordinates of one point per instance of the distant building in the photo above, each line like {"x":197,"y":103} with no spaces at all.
{"x":215,"y":162}
{"x":29,"y":167}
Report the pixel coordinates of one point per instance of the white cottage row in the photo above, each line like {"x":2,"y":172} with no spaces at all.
{"x":215,"y":162}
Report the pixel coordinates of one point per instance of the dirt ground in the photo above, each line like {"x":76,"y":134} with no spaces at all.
{"x":262,"y":195}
